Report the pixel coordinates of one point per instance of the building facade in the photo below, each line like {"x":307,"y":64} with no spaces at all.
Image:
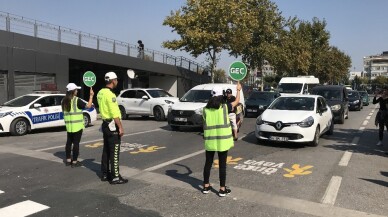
{"x":376,"y":65}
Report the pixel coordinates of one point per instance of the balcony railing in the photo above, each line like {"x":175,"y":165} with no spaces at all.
{"x":18,"y":24}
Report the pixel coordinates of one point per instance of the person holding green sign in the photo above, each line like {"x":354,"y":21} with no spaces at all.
{"x":74,"y":121}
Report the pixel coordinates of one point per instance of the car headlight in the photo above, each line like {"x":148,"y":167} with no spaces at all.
{"x":169,"y":102}
{"x":335,"y":107}
{"x":261,"y":107}
{"x":357,"y":101}
{"x":259,"y":120}
{"x":199,"y":111}
{"x":308,"y":122}
{"x":4,"y":114}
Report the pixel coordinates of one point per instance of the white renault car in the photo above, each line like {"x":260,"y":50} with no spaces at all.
{"x":34,"y":111}
{"x":302,"y":118}
{"x":145,"y":102}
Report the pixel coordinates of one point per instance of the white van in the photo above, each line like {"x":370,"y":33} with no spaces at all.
{"x":188,"y":111}
{"x":297,"y":85}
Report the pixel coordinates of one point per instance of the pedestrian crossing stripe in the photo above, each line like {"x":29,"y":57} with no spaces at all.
{"x":22,"y":209}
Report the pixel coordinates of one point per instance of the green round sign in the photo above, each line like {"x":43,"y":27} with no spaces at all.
{"x":89,"y":79}
{"x":237,"y":71}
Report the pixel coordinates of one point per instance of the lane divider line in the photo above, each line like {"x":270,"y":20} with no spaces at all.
{"x":365,"y":123}
{"x":1,"y":192}
{"x":368,"y":117}
{"x":173,"y":161}
{"x":345,"y":159}
{"x":22,"y":209}
{"x":97,"y":140}
{"x":332,"y":190}
{"x":361,"y":128}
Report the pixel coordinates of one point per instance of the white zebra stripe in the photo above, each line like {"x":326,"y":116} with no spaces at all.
{"x":22,"y":209}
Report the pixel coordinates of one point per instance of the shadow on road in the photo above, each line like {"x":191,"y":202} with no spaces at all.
{"x":379,"y":182}
{"x":87,"y":163}
{"x":185,"y":177}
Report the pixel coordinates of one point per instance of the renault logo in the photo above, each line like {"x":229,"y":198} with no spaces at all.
{"x":279,"y":125}
{"x":181,"y":112}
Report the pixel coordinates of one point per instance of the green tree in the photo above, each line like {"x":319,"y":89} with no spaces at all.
{"x":263,"y":23}
{"x":334,"y":66}
{"x":219,"y":76}
{"x":207,"y":27}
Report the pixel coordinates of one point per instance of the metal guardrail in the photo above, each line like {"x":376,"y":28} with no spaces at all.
{"x":18,"y":24}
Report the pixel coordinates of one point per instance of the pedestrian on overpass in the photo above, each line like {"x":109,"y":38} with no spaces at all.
{"x":381,"y":97}
{"x":218,"y":136}
{"x":72,"y":108}
{"x":112,"y":130}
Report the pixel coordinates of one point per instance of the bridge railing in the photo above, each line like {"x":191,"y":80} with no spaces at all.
{"x":18,"y":24}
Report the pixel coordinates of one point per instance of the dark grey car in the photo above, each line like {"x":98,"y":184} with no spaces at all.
{"x":337,"y":98}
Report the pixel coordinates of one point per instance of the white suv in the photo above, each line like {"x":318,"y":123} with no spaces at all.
{"x":145,"y":102}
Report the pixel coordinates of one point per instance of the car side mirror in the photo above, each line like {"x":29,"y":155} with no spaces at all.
{"x":37,"y":105}
{"x":145,"y":97}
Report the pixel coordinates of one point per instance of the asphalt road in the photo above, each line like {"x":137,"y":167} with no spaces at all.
{"x":346,"y":175}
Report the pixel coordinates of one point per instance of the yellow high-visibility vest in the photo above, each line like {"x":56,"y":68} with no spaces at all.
{"x":74,"y":119}
{"x":217,"y":130}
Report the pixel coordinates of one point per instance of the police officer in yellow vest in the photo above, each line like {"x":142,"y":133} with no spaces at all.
{"x":111,"y":129}
{"x":218,"y":136}
{"x":74,"y":121}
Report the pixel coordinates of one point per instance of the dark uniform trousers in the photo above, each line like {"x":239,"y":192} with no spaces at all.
{"x":111,"y":151}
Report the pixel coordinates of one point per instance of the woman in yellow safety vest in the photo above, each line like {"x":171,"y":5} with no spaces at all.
{"x":74,"y":121}
{"x":218,"y":136}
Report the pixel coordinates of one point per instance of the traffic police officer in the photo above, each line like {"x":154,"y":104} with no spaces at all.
{"x":111,"y":129}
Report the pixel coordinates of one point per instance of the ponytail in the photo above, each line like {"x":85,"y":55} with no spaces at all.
{"x":66,"y":106}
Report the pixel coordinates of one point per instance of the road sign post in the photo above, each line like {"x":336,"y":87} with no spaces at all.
{"x":89,"y":79}
{"x":237,"y":71}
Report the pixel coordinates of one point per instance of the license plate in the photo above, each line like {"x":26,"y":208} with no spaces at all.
{"x":251,"y":110}
{"x":278,"y":138}
{"x":180,"y":119}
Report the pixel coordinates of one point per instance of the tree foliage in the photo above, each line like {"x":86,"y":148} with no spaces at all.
{"x":255,"y":30}
{"x":219,"y":76}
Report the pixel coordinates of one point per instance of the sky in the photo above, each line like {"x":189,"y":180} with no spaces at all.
{"x":357,"y":27}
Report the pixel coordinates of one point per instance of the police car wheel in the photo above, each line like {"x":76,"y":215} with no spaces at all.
{"x":86,"y":120}
{"x":19,"y":127}
{"x":159,"y":114}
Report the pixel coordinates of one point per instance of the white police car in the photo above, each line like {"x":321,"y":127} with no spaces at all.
{"x":34,"y":111}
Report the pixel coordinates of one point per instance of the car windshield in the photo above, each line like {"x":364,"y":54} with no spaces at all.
{"x":261,"y":96}
{"x":21,"y":101}
{"x":293,"y":103}
{"x":158,"y":93}
{"x":328,"y":94}
{"x":197,"y":96}
{"x":353,"y":95}
{"x":290,"y":87}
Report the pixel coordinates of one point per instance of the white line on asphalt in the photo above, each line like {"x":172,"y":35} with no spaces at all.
{"x":173,"y":161}
{"x":345,"y":159}
{"x":1,"y":191}
{"x":365,"y":122}
{"x":96,"y":140}
{"x":368,"y":117}
{"x":371,"y":113}
{"x":361,"y":128}
{"x":332,"y":190}
{"x":22,"y":209}
{"x":355,"y":140}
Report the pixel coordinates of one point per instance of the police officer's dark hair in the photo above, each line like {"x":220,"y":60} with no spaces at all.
{"x":66,"y":102}
{"x":108,"y":81}
{"x":215,"y":102}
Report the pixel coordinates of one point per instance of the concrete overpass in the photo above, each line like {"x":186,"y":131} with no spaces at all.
{"x":35,"y":54}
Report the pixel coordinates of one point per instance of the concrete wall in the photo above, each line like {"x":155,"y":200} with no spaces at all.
{"x":167,"y":83}
{"x":29,"y":54}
